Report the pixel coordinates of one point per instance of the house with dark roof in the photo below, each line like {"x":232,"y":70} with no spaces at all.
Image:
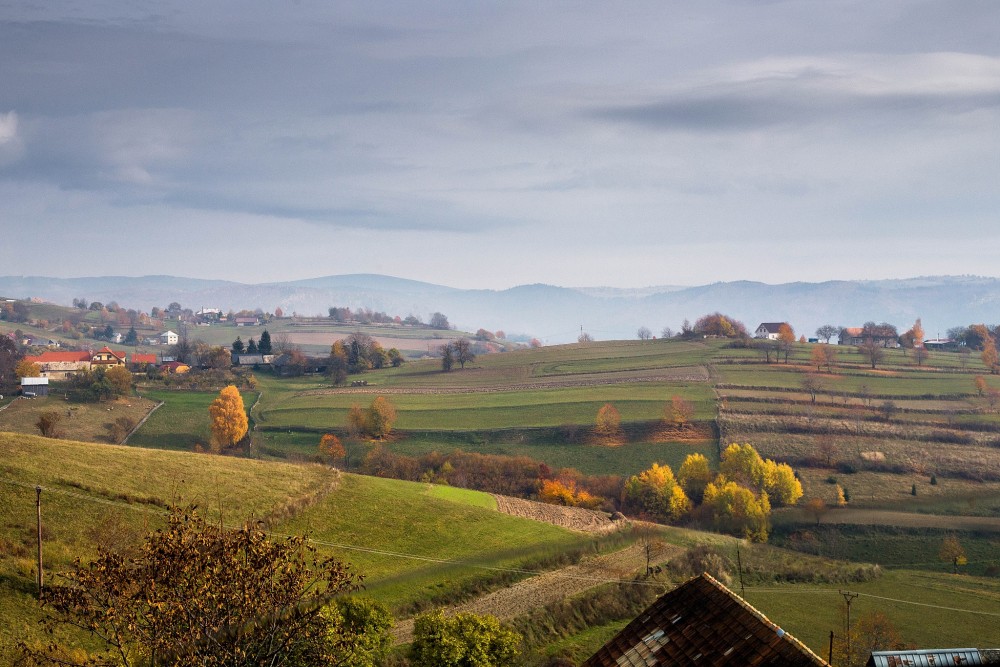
{"x":769,"y":330}
{"x":701,"y":622}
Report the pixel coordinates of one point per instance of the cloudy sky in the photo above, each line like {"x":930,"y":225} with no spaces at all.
{"x":479,"y":144}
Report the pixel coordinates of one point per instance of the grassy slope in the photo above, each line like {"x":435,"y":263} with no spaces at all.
{"x":106,"y":494}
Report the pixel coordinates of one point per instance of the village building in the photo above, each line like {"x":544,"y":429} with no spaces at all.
{"x":246,"y":321}
{"x":769,"y":330}
{"x":168,"y":338}
{"x":140,"y":362}
{"x":857,"y":336}
{"x":701,"y":622}
{"x":60,"y":365}
{"x":107,"y":358}
{"x":32,"y":387}
{"x":931,"y":657}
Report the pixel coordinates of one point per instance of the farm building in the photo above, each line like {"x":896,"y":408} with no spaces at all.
{"x":246,"y":321}
{"x":857,"y":336}
{"x":929,"y":657}
{"x":60,"y":365}
{"x":34,"y":386}
{"x":701,"y":622}
{"x":769,"y":330}
{"x":141,"y":361}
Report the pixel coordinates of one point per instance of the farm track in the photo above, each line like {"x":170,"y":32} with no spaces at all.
{"x":873,"y":517}
{"x":507,"y":388}
{"x":549,"y":587}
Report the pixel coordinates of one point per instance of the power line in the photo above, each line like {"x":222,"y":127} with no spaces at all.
{"x":492,"y":568}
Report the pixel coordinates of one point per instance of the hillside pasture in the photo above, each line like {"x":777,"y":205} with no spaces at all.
{"x":182,"y":421}
{"x":402,"y":536}
{"x":78,"y":421}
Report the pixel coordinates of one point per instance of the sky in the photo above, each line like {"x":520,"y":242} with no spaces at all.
{"x":493,"y":144}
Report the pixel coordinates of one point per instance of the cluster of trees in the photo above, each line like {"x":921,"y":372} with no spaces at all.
{"x":358,"y":353}
{"x":14,"y":312}
{"x":252,"y":346}
{"x":99,"y":384}
{"x":376,"y":421}
{"x":737,"y":500}
{"x":344,"y":315}
{"x":10,"y":357}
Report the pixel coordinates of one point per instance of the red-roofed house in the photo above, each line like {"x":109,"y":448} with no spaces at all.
{"x":141,"y":361}
{"x":107,"y":358}
{"x":60,"y":365}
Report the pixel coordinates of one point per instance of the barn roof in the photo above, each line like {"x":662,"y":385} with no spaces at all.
{"x":701,"y":622}
{"x":58,"y":357}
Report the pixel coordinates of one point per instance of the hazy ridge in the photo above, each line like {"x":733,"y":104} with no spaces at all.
{"x":556,"y":314}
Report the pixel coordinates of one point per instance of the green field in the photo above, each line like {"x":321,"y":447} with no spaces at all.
{"x":182,"y":421}
{"x":395,"y":533}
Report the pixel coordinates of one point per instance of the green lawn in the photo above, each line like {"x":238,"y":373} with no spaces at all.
{"x":182,"y":421}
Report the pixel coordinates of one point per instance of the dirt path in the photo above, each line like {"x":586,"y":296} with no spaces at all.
{"x":549,"y":587}
{"x":906,"y":519}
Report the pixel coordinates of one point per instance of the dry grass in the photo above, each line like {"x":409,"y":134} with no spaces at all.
{"x":87,"y":422}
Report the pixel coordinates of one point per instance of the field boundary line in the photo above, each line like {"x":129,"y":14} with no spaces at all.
{"x":143,"y":421}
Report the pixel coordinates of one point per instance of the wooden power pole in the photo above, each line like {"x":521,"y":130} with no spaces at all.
{"x":38,"y":511}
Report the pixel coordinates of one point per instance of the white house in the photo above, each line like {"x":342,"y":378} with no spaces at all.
{"x":769,"y":330}
{"x":168,"y":338}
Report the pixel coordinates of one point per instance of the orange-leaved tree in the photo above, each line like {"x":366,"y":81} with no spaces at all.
{"x":229,"y":419}
{"x":331,"y":447}
{"x":678,"y":412}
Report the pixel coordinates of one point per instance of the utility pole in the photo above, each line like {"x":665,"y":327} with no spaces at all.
{"x":739,"y":566}
{"x":848,"y":598}
{"x":38,"y":510}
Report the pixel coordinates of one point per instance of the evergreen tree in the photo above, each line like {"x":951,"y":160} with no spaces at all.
{"x":131,"y":338}
{"x":238,"y":345}
{"x":264,"y":346}
{"x":252,"y":347}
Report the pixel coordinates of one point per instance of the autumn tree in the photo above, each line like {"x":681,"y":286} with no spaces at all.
{"x":678,"y":412}
{"x":981,"y":386}
{"x":873,"y":631}
{"x":723,"y":326}
{"x":694,"y":475}
{"x":830,"y":355}
{"x":735,"y":509}
{"x":379,"y":418}
{"x":355,"y":420}
{"x":196,"y":594}
{"x":990,"y":356}
{"x":27,"y":369}
{"x":120,"y":380}
{"x":608,"y":422}
{"x":655,"y":492}
{"x":229,"y":419}
{"x":786,"y":338}
{"x":331,"y":448}
{"x":952,"y":552}
{"x":816,"y":356}
{"x":336,"y":365}
{"x":462,"y":640}
{"x":565,"y":492}
{"x":817,"y":508}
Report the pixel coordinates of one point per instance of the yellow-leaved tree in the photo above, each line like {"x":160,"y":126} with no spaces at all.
{"x":656,"y":492}
{"x":379,"y":418}
{"x":608,"y":422}
{"x":694,"y":475}
{"x":229,"y":419}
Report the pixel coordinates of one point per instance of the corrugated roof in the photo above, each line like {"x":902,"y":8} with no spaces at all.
{"x":34,"y":382}
{"x":701,"y":622}
{"x":926,"y":658}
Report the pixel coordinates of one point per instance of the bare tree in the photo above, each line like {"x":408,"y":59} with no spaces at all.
{"x":872,"y":351}
{"x":667,"y":333}
{"x":463,"y":351}
{"x":826,"y":332}
{"x":812,"y":384}
{"x":644,"y":333}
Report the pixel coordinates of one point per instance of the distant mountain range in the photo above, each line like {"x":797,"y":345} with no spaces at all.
{"x":556,"y":314}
